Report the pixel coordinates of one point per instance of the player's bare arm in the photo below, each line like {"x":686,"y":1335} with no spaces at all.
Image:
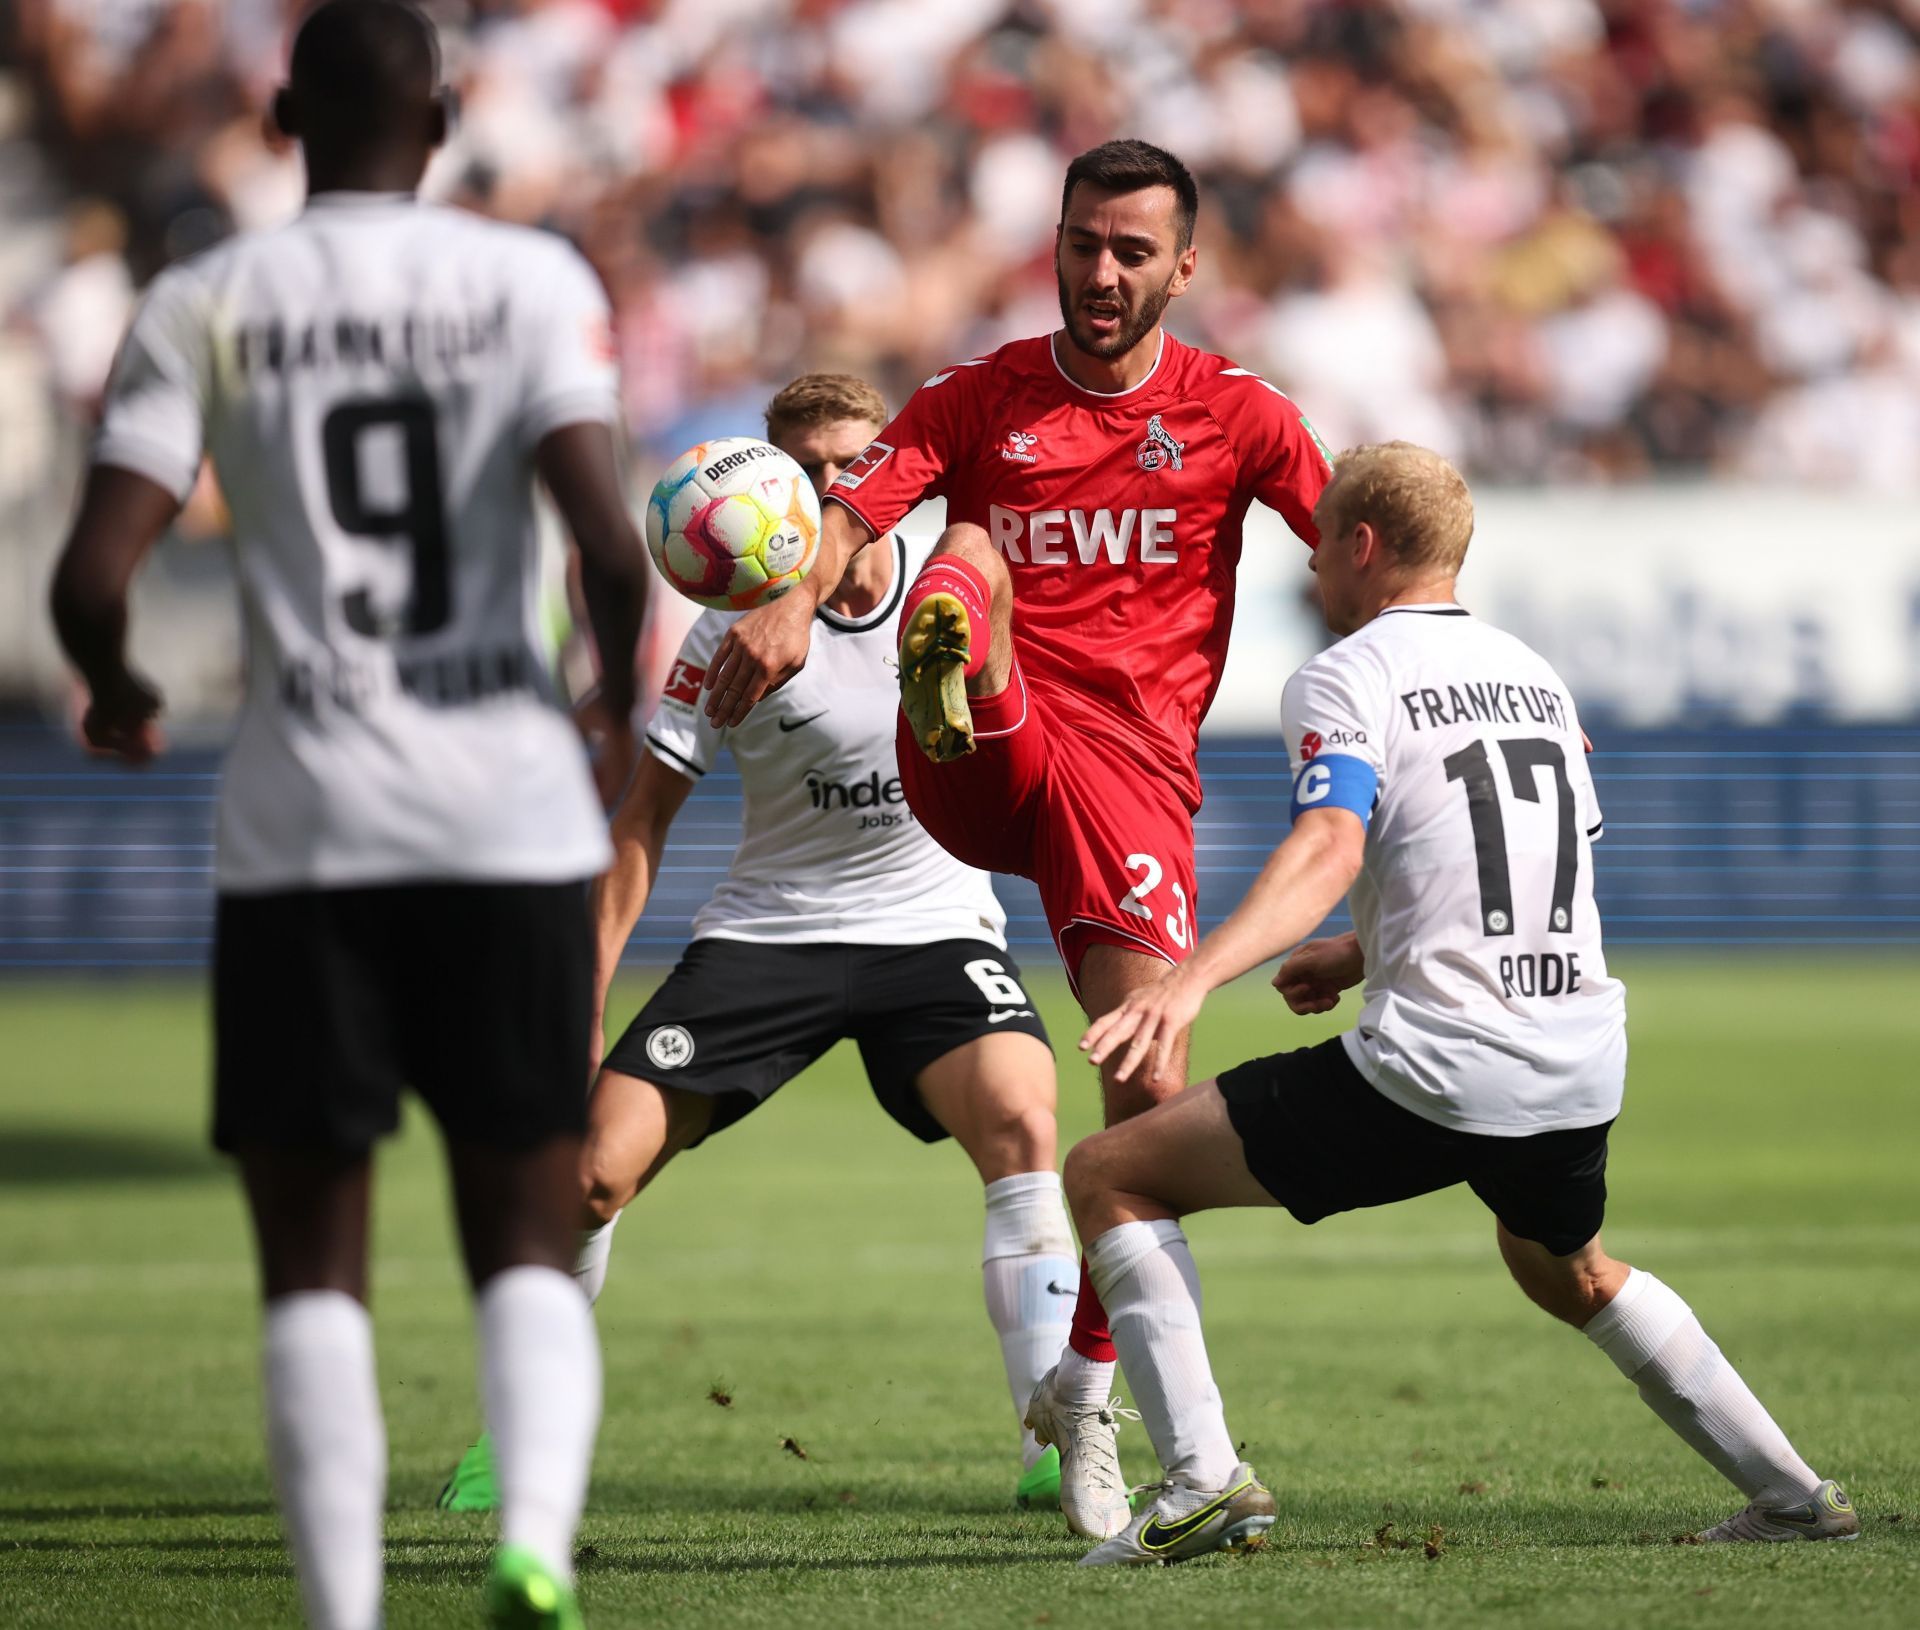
{"x":122,"y":516}
{"x":1312,"y":978}
{"x":1304,"y":879}
{"x":581,"y":468}
{"x":768,"y":646}
{"x":620,"y":893}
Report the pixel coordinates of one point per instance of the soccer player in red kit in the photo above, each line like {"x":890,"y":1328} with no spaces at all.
{"x":1066,"y":637}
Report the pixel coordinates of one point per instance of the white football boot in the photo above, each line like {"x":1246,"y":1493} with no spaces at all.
{"x":1093,"y":1494}
{"x":1177,"y":1522}
{"x":1826,"y":1513}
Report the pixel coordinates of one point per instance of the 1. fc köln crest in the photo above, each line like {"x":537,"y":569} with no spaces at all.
{"x":1159,"y":449}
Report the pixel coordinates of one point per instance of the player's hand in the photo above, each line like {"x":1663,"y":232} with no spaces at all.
{"x":1312,"y":978}
{"x":121,"y":720}
{"x":1147,"y":1025}
{"x":610,"y":746}
{"x":758,"y":654}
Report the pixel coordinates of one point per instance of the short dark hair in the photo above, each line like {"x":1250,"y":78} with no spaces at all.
{"x":378,"y":58}
{"x":1131,"y":166}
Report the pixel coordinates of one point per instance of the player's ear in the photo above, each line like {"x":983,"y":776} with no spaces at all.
{"x":283,"y":113}
{"x":1183,"y":269}
{"x":443,"y":113}
{"x":1366,"y":546}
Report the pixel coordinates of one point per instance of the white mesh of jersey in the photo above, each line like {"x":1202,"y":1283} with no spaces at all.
{"x":370,"y":382}
{"x":1488,"y":1006}
{"x":830,"y":850}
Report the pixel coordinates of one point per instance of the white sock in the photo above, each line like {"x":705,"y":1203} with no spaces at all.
{"x":540,"y":1379}
{"x":590,"y":1266}
{"x":328,"y":1449}
{"x":1657,"y":1343}
{"x":1031,"y":1278}
{"x":1082,"y":1382}
{"x":1145,"y":1276}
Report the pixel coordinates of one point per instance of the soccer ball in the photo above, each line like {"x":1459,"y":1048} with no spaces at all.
{"x":733,"y":523}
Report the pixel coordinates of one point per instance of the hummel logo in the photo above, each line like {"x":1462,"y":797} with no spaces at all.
{"x":1001,"y":1015}
{"x":788,"y":726}
{"x":1019,"y":448}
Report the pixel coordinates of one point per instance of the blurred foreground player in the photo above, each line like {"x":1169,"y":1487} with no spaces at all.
{"x":407,"y":821}
{"x":839,"y":918}
{"x":1440,"y":775}
{"x":1061,"y":646}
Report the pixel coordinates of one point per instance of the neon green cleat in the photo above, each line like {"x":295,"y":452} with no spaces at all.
{"x":1039,"y":1485}
{"x":471,"y":1487}
{"x":523,"y":1593}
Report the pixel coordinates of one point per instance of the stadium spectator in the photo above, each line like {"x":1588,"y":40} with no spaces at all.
{"x":1567,"y":238}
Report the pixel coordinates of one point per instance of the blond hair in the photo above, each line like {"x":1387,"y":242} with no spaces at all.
{"x":817,"y":399}
{"x":1415,"y":500}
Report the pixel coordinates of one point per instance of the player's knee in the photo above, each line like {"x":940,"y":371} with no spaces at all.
{"x":1571,"y":1288}
{"x":1087,"y":1176}
{"x":972,"y":545}
{"x":600,"y":1203}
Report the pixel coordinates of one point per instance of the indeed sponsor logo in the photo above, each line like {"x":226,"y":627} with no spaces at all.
{"x":1060,"y":537}
{"x":825,"y":793}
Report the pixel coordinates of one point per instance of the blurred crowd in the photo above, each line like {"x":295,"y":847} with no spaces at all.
{"x":1559,"y":239}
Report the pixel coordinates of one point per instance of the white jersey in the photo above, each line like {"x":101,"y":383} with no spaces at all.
{"x":1488,"y":1006}
{"x":830,"y":851}
{"x":371,"y":381}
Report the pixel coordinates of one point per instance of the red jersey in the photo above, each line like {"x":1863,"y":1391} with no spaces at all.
{"x":1119,"y":516}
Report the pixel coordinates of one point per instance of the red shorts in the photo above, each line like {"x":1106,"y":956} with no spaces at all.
{"x":1101,"y":830}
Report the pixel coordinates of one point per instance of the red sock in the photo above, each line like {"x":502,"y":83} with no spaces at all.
{"x":949,"y":574}
{"x":1090,"y":1337}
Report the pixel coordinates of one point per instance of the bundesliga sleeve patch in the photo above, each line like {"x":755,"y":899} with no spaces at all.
{"x":683,"y":684}
{"x":876,"y":454}
{"x":1336,"y":781}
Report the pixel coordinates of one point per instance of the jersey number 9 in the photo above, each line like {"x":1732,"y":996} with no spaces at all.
{"x":420,"y":520}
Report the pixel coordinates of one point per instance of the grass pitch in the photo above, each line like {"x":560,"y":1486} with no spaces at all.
{"x":1442,"y":1454}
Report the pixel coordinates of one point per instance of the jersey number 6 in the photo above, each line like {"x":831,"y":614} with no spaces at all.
{"x":421,"y":519}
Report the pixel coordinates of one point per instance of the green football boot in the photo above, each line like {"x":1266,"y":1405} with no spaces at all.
{"x":471,"y":1487}
{"x":523,"y":1593}
{"x":1039,"y":1485}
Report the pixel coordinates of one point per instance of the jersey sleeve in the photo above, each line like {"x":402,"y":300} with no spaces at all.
{"x":679,"y":734}
{"x":1283,"y":461}
{"x":154,"y":420}
{"x":912,"y":455}
{"x":1586,"y":798}
{"x":1335,"y":728}
{"x":573,"y":374}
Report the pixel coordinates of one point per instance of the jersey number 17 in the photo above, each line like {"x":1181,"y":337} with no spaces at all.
{"x":1472,"y":767}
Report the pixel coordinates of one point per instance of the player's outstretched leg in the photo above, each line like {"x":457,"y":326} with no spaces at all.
{"x":326,"y":1442}
{"x":1208,"y":1498}
{"x":1656,"y":1342}
{"x":955,"y":640}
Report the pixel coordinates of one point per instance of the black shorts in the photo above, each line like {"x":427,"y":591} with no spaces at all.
{"x":737,"y":1020}
{"x":328,"y":1002}
{"x":1321,"y":1138}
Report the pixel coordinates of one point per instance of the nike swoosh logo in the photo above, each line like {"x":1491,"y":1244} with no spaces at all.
{"x":788,"y":726}
{"x":1000,"y":1016}
{"x":1060,"y":1290}
{"x":1157,"y":1536}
